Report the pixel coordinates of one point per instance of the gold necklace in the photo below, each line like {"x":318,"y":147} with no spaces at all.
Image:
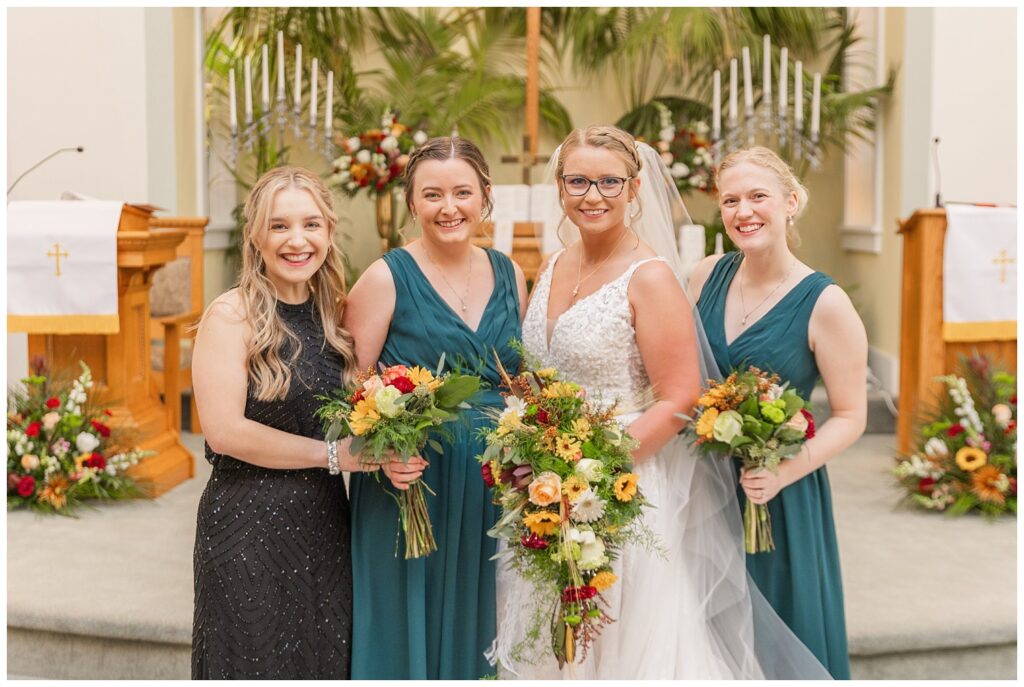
{"x":590,"y":274}
{"x":743,"y":306}
{"x":469,"y":275}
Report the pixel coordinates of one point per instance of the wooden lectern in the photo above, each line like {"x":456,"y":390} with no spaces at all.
{"x":924,"y":353}
{"x":526,"y":245}
{"x":121,"y":362}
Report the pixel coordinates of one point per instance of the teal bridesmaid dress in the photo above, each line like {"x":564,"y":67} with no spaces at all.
{"x":801,"y":577}
{"x":433,"y":617}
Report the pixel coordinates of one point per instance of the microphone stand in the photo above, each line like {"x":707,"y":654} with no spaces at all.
{"x":78,"y":149}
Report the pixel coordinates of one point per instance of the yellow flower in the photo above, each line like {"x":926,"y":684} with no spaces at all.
{"x":567,"y":448}
{"x":581,"y":428}
{"x":706,"y":423}
{"x":496,"y":470}
{"x":560,"y":390}
{"x":80,"y":459}
{"x":547,"y":373}
{"x":574,"y":487}
{"x":603,"y":580}
{"x":364,"y":416}
{"x":542,"y":523}
{"x":418,"y":375}
{"x":625,"y":487}
{"x":989,"y":484}
{"x":969,"y":458}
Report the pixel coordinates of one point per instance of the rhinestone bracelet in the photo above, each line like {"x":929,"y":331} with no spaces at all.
{"x":332,"y":458}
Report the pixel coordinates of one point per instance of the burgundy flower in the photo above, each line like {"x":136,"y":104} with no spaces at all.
{"x":925,"y":485}
{"x":101,"y":428}
{"x":12,"y":481}
{"x":542,"y":416}
{"x":96,"y":460}
{"x":26,"y":486}
{"x":487,"y":474}
{"x":52,"y":402}
{"x":956,"y":429}
{"x":1013,"y":486}
{"x":809,"y":434}
{"x":519,"y":477}
{"x":357,"y":396}
{"x":403,"y":384}
{"x":581,"y":593}
{"x":33,"y":429}
{"x":533,"y":541}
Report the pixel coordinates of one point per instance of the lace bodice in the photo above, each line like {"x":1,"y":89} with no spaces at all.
{"x":593,"y":343}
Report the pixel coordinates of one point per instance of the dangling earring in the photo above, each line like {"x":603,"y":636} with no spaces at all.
{"x":789,"y":220}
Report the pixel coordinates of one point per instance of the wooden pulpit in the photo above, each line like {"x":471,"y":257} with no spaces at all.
{"x":526,"y":245}
{"x":121,"y":362}
{"x":924,"y":351}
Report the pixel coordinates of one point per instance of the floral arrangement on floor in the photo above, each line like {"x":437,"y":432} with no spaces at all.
{"x":687,"y":153}
{"x":60,"y":449}
{"x":376,"y":158}
{"x":967,"y":456}
{"x":395,"y":411}
{"x":750,"y":416}
{"x":560,"y":468}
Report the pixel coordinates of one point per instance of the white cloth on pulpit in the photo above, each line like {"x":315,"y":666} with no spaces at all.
{"x":511,"y":205}
{"x":62,"y":266}
{"x":979,"y":268}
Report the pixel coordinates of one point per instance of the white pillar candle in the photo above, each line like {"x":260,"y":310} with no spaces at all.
{"x":783,"y":80}
{"x":748,"y":91}
{"x":328,"y":111}
{"x":280,"y":65}
{"x":732,"y":92}
{"x":816,"y":107}
{"x":265,"y":91}
{"x":312,"y":92}
{"x":767,"y":66}
{"x":716,"y":106}
{"x":298,"y":77}
{"x":798,"y":95}
{"x":232,"y":105}
{"x":248,"y":89}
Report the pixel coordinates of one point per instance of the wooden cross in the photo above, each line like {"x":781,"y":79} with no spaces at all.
{"x":58,"y":254}
{"x":529,"y":158}
{"x":1002,"y":261}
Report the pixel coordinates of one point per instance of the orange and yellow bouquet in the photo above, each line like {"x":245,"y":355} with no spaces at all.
{"x":750,"y":416}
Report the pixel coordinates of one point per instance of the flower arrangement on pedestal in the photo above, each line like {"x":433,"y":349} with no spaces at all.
{"x":967,"y":454}
{"x":60,"y":449}
{"x":687,"y":153}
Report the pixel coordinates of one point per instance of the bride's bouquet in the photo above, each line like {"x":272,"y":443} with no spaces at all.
{"x":394,"y":412}
{"x":560,"y":468}
{"x":750,"y":416}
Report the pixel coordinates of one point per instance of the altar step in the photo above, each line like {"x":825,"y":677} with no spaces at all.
{"x":109,"y":596}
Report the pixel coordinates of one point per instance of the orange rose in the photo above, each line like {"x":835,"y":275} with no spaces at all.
{"x":545,"y":489}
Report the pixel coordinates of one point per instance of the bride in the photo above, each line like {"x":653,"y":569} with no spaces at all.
{"x":610,"y":313}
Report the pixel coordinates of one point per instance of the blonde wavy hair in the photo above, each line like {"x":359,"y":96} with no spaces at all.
{"x":270,"y":376}
{"x":767,"y":158}
{"x":611,"y":138}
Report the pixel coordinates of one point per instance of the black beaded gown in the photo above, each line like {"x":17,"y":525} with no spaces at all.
{"x":272,"y":561}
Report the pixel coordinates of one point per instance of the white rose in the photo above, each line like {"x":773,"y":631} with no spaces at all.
{"x":728,"y":426}
{"x":420,"y":137}
{"x":695,"y":180}
{"x":936,"y":448}
{"x":1002,"y":414}
{"x":592,"y":554}
{"x":701,"y":127}
{"x":50,"y":420}
{"x":680,"y":170}
{"x":388,"y":403}
{"x":589,"y":469}
{"x":353,"y":144}
{"x":372,"y":385}
{"x":86,"y":443}
{"x":582,"y":536}
{"x":667,"y":134}
{"x":363,"y":157}
{"x":389,"y":144}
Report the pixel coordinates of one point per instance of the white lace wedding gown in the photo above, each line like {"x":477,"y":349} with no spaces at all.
{"x":678,"y":616}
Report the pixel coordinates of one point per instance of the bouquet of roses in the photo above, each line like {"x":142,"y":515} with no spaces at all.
{"x":375,"y":158}
{"x":559,"y":467}
{"x":967,"y":455}
{"x":748,"y":415}
{"x":395,"y":411}
{"x":60,"y":449}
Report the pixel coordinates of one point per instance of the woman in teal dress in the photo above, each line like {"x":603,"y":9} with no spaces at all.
{"x":434,"y":617}
{"x":763,"y":307}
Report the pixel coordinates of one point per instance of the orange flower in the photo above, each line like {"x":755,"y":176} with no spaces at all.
{"x":545,"y":489}
{"x":625,"y":487}
{"x":603,"y":580}
{"x":989,"y":484}
{"x":55,"y":491}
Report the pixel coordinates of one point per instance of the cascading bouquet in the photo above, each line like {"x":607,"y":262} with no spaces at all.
{"x":61,"y":449}
{"x":560,"y":468}
{"x":748,"y":415}
{"x":396,"y":411}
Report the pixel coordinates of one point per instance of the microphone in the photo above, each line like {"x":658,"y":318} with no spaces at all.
{"x":938,"y":172}
{"x":77,"y":149}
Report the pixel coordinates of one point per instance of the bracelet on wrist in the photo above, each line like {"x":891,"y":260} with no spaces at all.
{"x":333,"y":467}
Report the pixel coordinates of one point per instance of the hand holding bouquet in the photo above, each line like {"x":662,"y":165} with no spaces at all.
{"x":750,"y":416}
{"x":393,"y":413}
{"x":560,"y":470}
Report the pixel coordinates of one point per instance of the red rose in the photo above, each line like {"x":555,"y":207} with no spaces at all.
{"x":357,"y":396}
{"x":26,"y":486}
{"x":103,"y":430}
{"x":1013,"y":486}
{"x":364,"y":182}
{"x":571,"y":594}
{"x":926,"y":485}
{"x":1011,"y":427}
{"x":403,"y":384}
{"x":394,"y":170}
{"x":106,"y":411}
{"x":33,"y":429}
{"x":382,"y":184}
{"x":487,"y":474}
{"x":809,"y":434}
{"x":542,"y":416}
{"x":955,"y":430}
{"x":532,"y":541}
{"x":52,"y":402}
{"x":96,"y":460}
{"x":12,"y":481}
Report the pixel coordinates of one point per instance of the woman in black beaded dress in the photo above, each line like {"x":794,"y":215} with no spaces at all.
{"x":272,"y":562}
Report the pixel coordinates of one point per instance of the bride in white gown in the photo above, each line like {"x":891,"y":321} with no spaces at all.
{"x":610,"y":313}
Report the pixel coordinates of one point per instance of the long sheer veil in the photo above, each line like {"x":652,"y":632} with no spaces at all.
{"x":729,"y":628}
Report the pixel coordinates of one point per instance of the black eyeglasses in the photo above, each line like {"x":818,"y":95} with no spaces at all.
{"x":579,"y":185}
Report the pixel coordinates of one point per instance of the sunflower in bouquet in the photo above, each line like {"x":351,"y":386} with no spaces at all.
{"x":751,"y":416}
{"x":560,"y":468}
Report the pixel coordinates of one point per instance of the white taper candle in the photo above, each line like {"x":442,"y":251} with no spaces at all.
{"x":716,"y":106}
{"x":312,"y":92}
{"x":248,"y":89}
{"x":798,"y":95}
{"x":232,"y":105}
{"x":732,"y":92}
{"x":298,"y":77}
{"x":265,"y":69}
{"x":767,"y":66}
{"x":748,"y":91}
{"x":280,"y":65}
{"x":328,"y":110}
{"x":783,"y":80}
{"x":816,"y":107}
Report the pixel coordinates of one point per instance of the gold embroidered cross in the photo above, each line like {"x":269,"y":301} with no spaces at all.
{"x":1002,"y":261}
{"x":58,"y":254}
